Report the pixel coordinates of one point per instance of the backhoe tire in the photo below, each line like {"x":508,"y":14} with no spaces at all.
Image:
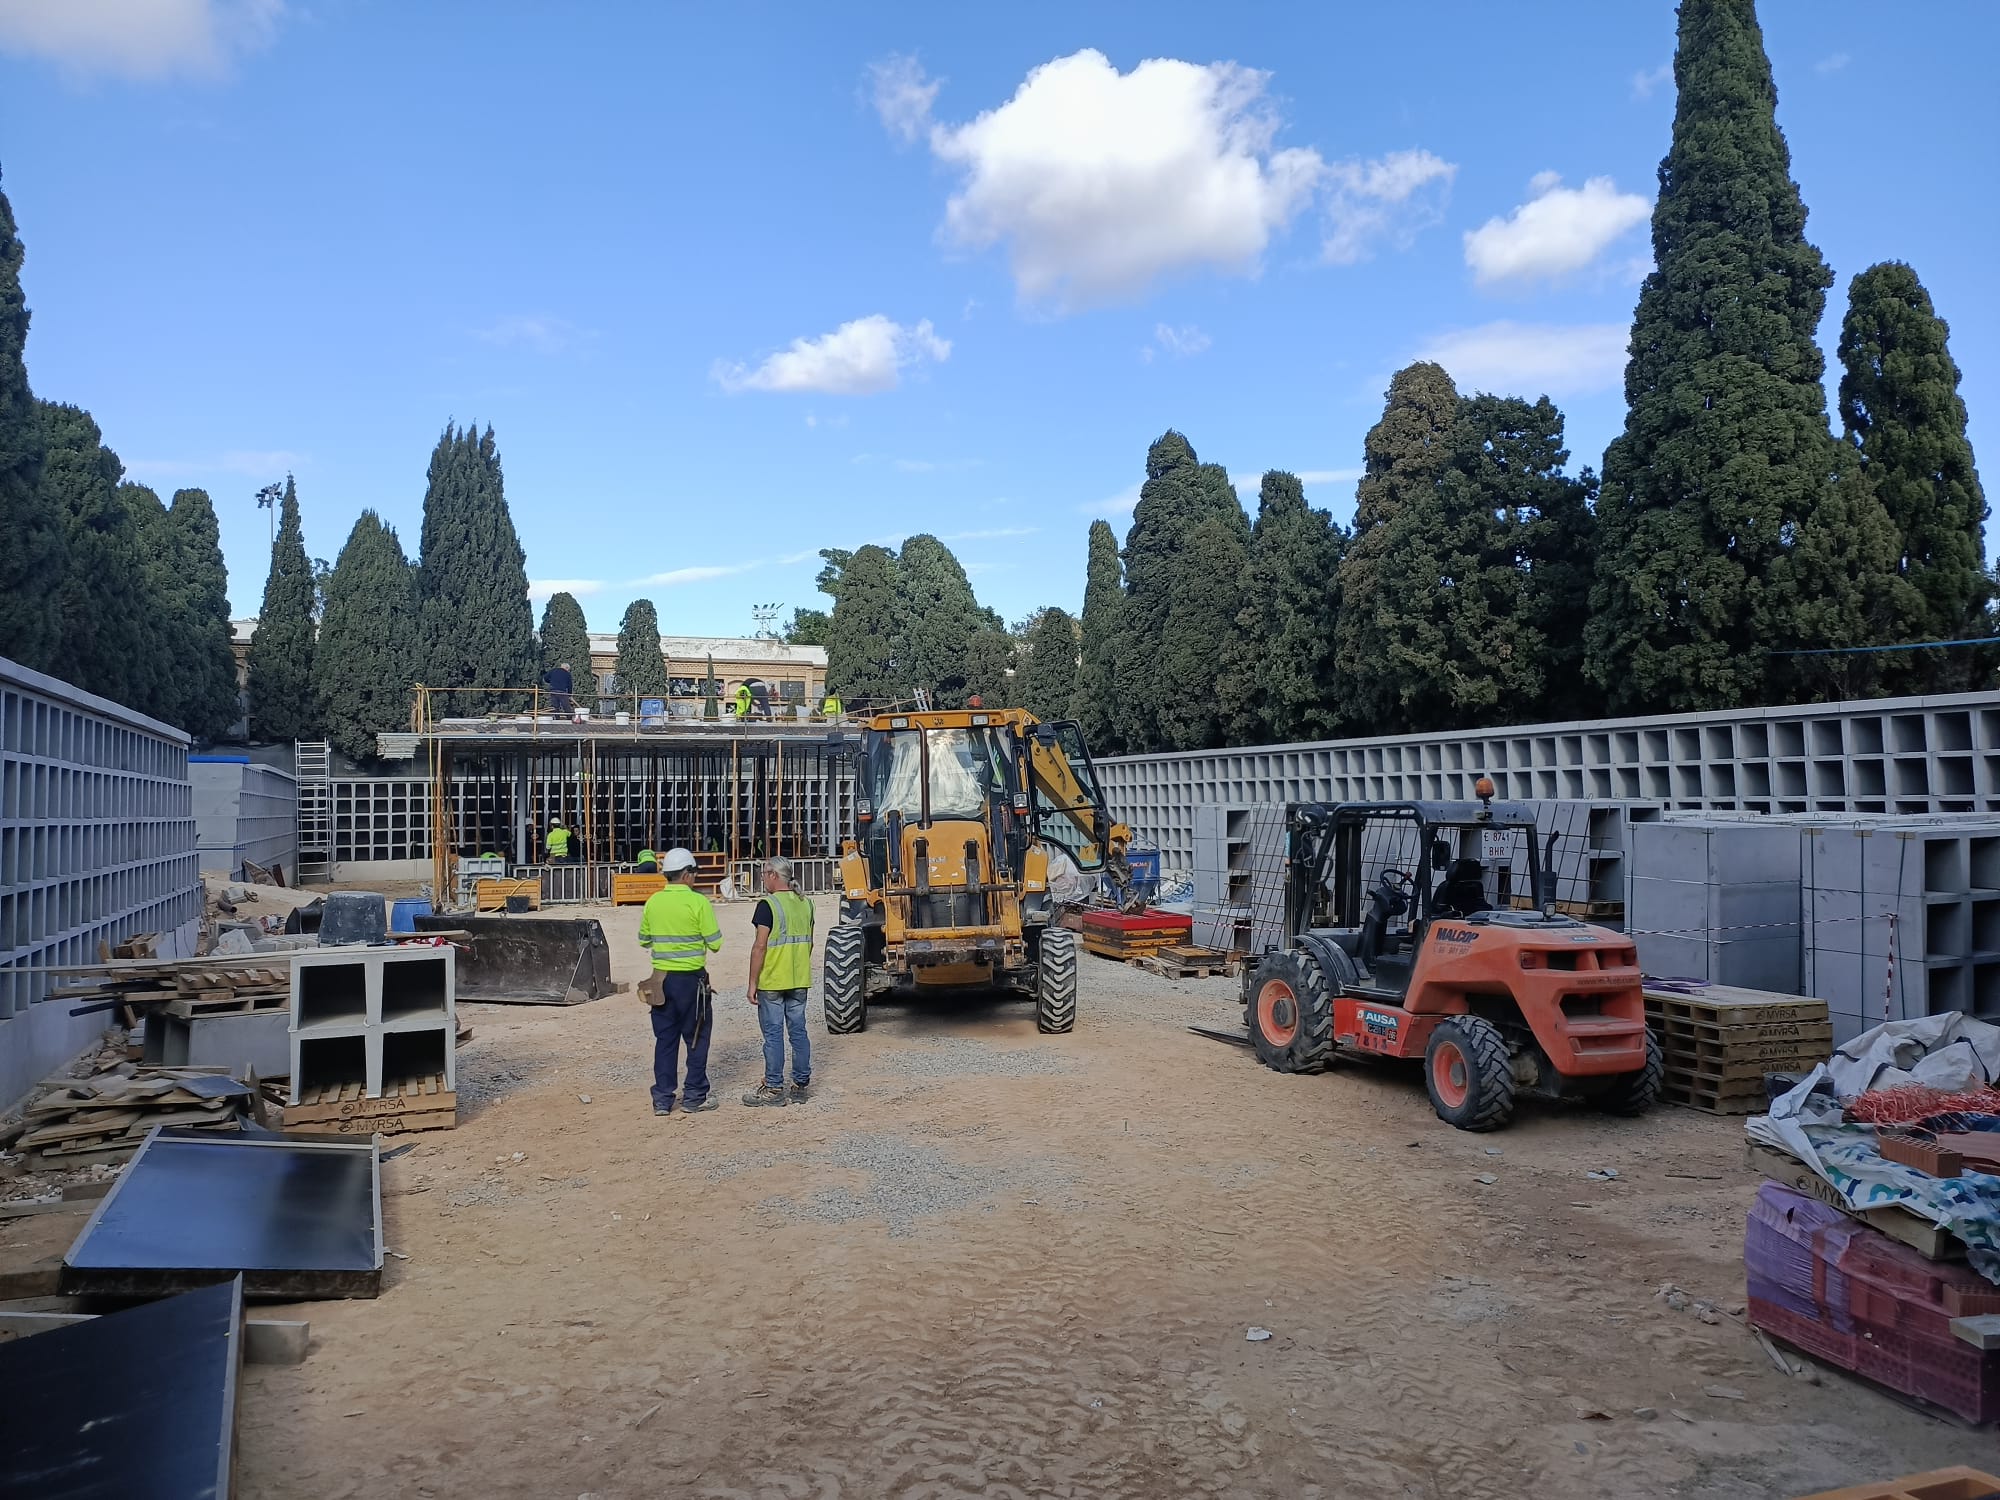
{"x":1635,"y":1093}
{"x":1469,"y":1074}
{"x":1290,"y":1014}
{"x":1055,"y":981}
{"x":844,"y":980}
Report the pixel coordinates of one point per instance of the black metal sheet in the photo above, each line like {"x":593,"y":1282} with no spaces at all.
{"x":136,"y":1405}
{"x":529,"y":960}
{"x":296,"y":1218}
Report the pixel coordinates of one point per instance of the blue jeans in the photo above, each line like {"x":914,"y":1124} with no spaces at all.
{"x":780,"y":1011}
{"x":688,"y":1016}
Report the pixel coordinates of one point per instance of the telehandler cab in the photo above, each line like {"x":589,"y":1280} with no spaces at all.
{"x":1404,"y":940}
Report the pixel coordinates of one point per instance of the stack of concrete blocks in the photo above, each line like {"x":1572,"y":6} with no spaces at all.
{"x":372,"y":1016}
{"x":1940,"y":882}
{"x":1718,"y":900}
{"x":244,"y":810}
{"x":1239,"y":877}
{"x":97,"y":845}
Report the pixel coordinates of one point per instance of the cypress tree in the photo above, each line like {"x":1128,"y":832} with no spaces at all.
{"x":1723,"y":538}
{"x":1095,"y":707}
{"x":565,"y":637}
{"x":642,"y":670}
{"x":861,"y":664}
{"x":1184,"y":560}
{"x":1283,"y":673}
{"x":33,"y":531}
{"x":1047,"y":676}
{"x":365,"y":663}
{"x":210,"y":701}
{"x":281,"y":653}
{"x":991,"y":675}
{"x":1900,"y":405}
{"x":1405,"y":457}
{"x":937,"y":618}
{"x":156,"y":682}
{"x":477,"y":627}
{"x":105,"y":591}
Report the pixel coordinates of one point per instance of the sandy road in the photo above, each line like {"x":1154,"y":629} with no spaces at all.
{"x":985,"y":1262}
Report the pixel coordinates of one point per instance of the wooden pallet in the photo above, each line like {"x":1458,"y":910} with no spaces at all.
{"x":1959,"y":1483}
{"x":1127,"y":952}
{"x":405,"y":1104}
{"x":1815,"y":1032}
{"x":634,"y":890}
{"x":1615,"y":910}
{"x":1726,"y":1005}
{"x":1185,"y":961}
{"x":1781,"y":1054}
{"x":1713,"y":1071}
{"x":1929,"y":1240}
{"x":1704,"y":1098}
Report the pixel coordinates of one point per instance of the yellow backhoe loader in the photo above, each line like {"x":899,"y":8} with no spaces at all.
{"x":963,"y":817}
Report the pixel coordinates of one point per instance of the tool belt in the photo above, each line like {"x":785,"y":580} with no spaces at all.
{"x":653,"y":989}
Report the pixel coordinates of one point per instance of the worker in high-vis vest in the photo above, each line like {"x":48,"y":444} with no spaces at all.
{"x":743,"y":700}
{"x":557,"y":839}
{"x":679,"y":930}
{"x":831,"y":707}
{"x":780,"y":976}
{"x":646,"y":862}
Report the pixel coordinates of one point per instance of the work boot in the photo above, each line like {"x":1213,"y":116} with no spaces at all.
{"x":800,"y":1092}
{"x":663,"y":1109}
{"x":697,"y":1106}
{"x":765,"y":1094}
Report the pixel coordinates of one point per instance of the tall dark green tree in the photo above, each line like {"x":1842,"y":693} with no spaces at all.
{"x":198,"y":595}
{"x":1046,"y":677}
{"x":478,"y":629}
{"x":1095,"y":707}
{"x":937,"y":617}
{"x":1405,"y":457}
{"x":1282,"y":673}
{"x":282,"y":702}
{"x":366,"y":659}
{"x":32,"y":526}
{"x":1184,"y":560}
{"x":808,"y":627}
{"x":1724,"y":535}
{"x":565,"y":637}
{"x":1900,"y":405}
{"x":861,"y":663}
{"x":991,"y":673}
{"x":642,"y":669}
{"x":105,"y":589}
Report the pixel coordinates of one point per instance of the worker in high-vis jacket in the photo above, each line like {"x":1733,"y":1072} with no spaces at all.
{"x":831,"y":707}
{"x":646,"y":862}
{"x":679,"y":930}
{"x":557,"y":839}
{"x":780,"y":976}
{"x":743,"y":698}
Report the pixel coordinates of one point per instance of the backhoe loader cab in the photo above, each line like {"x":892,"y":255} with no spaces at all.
{"x":1423,"y":930}
{"x":959,"y":815}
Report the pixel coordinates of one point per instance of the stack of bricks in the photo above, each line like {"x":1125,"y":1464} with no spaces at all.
{"x":1720,"y":1041}
{"x":373,"y":1036}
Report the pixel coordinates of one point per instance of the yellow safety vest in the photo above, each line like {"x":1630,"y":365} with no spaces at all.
{"x":678,"y":926}
{"x":558,"y":842}
{"x":788,"y":950}
{"x":743,"y":703}
{"x":831,"y":706}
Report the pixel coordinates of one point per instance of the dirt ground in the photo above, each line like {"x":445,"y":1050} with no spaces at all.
{"x":985,"y":1262}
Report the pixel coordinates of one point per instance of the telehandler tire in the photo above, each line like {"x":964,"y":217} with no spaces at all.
{"x":1290,"y":1014}
{"x":1055,"y":981}
{"x":844,"y":980}
{"x":1635,"y":1093}
{"x":1469,"y":1074}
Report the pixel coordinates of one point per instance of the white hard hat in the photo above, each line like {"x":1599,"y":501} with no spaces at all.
{"x":677,"y":859}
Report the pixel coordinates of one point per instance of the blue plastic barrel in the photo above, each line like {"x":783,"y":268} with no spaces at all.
{"x":404,"y":913}
{"x":1145,"y":865}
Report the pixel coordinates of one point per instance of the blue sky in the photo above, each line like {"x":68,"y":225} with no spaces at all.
{"x":734,"y":283}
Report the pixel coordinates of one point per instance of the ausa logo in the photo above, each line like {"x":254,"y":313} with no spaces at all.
{"x":1456,"y":935}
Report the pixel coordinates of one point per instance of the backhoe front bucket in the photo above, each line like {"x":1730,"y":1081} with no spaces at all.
{"x":527,"y":960}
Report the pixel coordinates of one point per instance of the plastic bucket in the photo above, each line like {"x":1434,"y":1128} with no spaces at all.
{"x":403,"y":914}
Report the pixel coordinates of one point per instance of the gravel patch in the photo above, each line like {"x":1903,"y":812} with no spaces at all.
{"x":907,"y":1181}
{"x":488,"y":1192}
{"x":965,"y":1057}
{"x":482,"y":1078}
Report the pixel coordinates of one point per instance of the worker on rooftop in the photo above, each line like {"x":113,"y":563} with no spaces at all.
{"x":780,"y":976}
{"x":742,"y":700}
{"x":557,"y":839}
{"x":830,"y":707}
{"x":679,"y":929}
{"x":559,"y":684}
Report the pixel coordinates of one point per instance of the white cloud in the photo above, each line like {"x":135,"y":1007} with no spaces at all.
{"x":1100,"y":182}
{"x":1182,"y":342}
{"x":538,"y":332}
{"x":856,"y":359}
{"x":541,"y":589}
{"x":1251,"y":483}
{"x":1557,"y":231}
{"x":676,"y":576}
{"x":902,"y":95}
{"x":138,"y":38}
{"x":1118,"y":507}
{"x":814,"y":419}
{"x":1832,"y":64}
{"x":253,"y":463}
{"x":1532,"y":359}
{"x":811,"y":554}
{"x":1386,"y":200}
{"x":990,"y":534}
{"x":1647,"y":81}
